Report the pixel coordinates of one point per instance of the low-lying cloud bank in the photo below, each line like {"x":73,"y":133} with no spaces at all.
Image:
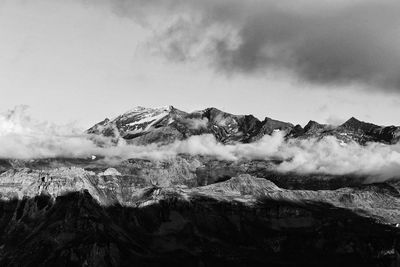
{"x":24,"y":138}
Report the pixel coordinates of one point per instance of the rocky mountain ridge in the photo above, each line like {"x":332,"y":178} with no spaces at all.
{"x":164,"y":125}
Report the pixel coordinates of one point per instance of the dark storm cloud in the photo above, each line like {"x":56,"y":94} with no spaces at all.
{"x":329,"y":42}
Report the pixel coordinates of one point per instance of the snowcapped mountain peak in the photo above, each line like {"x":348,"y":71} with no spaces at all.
{"x":169,"y":107}
{"x":141,"y":109}
{"x":136,"y":109}
{"x":137,"y":121}
{"x":142,"y":119}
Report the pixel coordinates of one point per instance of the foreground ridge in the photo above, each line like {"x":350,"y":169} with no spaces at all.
{"x":110,"y":187}
{"x":69,"y":216}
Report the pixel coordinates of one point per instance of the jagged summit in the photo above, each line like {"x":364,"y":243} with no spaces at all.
{"x":166,"y":124}
{"x":352,"y":119}
{"x":313,"y":125}
{"x":355,"y":124}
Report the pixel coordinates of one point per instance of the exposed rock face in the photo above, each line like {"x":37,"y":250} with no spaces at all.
{"x":165,"y":125}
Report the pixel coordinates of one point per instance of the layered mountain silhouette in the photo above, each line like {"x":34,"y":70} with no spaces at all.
{"x":147,"y":125}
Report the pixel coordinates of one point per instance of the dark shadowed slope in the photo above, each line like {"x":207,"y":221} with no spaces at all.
{"x":242,"y":222}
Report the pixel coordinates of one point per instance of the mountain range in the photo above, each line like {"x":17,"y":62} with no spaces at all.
{"x":198,"y":210}
{"x":166,"y":124}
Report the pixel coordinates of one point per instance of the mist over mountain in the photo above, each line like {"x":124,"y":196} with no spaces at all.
{"x":158,"y":186}
{"x":353,"y":148}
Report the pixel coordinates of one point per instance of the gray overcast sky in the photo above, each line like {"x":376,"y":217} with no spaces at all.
{"x":75,"y":61}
